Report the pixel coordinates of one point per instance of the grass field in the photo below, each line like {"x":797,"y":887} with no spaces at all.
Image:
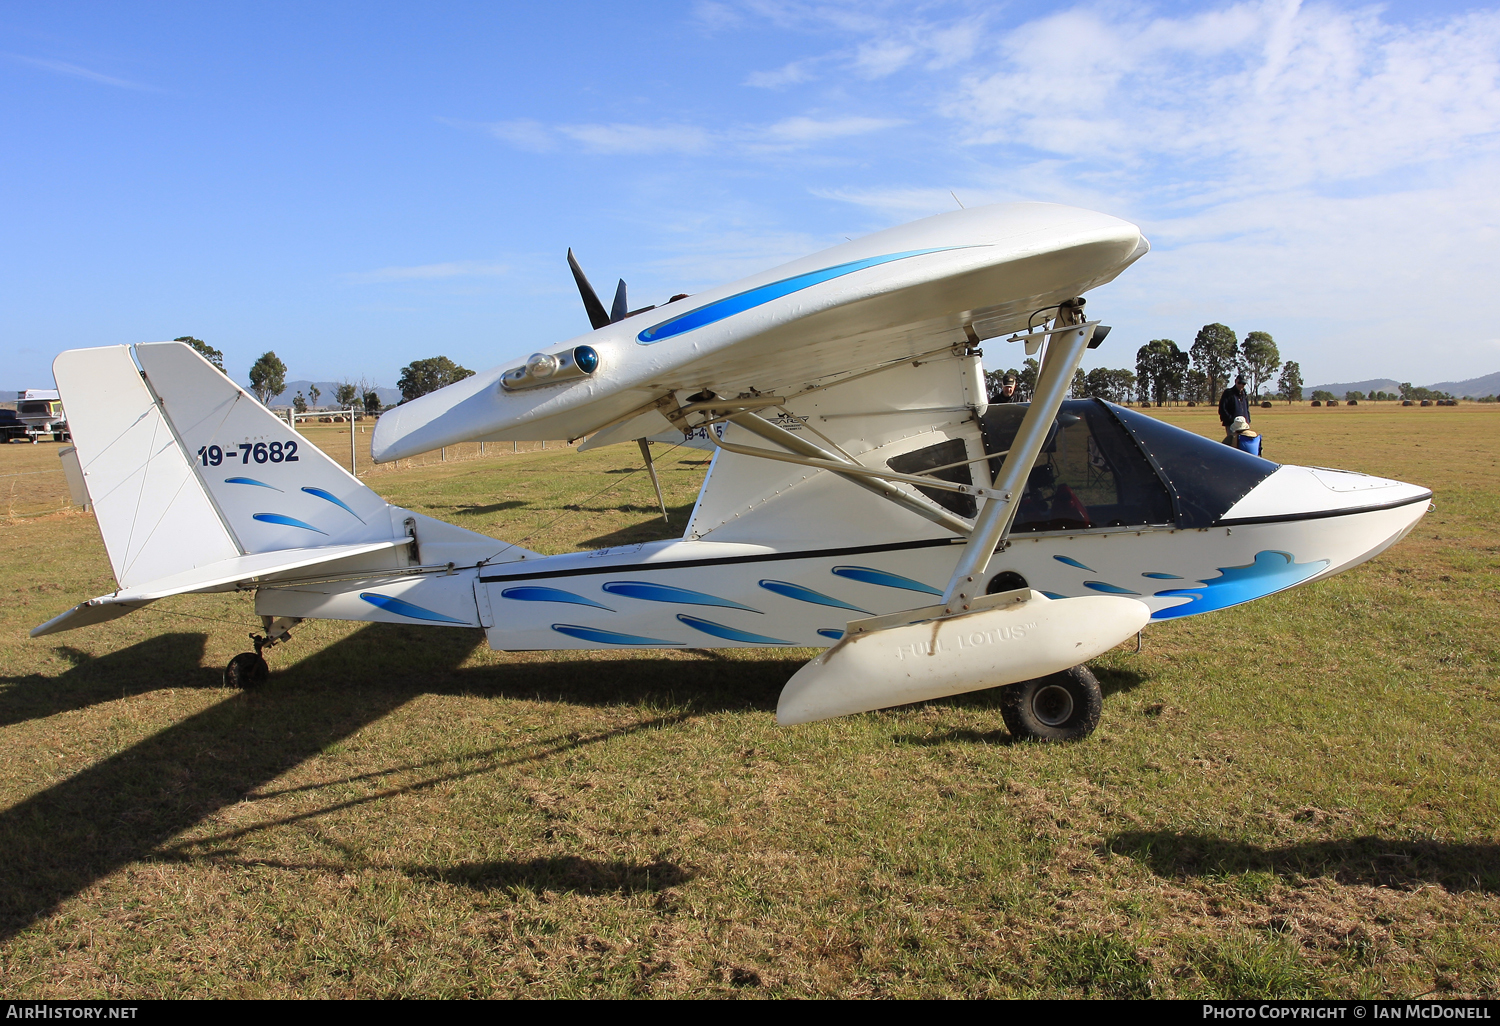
{"x":1293,"y":798}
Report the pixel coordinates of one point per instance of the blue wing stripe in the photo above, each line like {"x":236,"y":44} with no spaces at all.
{"x":401,"y":607}
{"x":320,"y":493}
{"x":608,"y":637}
{"x":749,"y":300}
{"x":801,"y":594}
{"x":538,"y":594}
{"x":869,"y":575}
{"x":1109,"y":589}
{"x":667,"y":593}
{"x":250,"y":481}
{"x":718,"y":630}
{"x":284,"y":521}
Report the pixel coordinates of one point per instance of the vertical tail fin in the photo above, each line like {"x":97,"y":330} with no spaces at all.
{"x":271,"y":488}
{"x":185,"y":469}
{"x":153,"y":512}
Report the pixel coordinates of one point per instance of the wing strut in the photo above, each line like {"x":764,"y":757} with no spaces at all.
{"x":1070,"y":339}
{"x":651,"y":469}
{"x":973,"y":640}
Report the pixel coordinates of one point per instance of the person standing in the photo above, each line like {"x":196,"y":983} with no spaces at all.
{"x":1233,"y":403}
{"x":1007,"y":392}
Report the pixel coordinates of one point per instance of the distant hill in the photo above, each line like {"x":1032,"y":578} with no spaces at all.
{"x":388,"y":396}
{"x":1339,"y":388}
{"x":1476,"y":387}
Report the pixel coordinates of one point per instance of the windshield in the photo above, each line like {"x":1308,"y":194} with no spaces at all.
{"x":1206,"y":477}
{"x":1089,"y":474}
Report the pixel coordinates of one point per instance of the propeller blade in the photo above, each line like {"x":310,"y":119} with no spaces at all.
{"x":621,"y":309}
{"x":597,"y":317}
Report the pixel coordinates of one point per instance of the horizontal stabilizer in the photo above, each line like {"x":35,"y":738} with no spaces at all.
{"x":918,"y":662}
{"x":205,"y":578}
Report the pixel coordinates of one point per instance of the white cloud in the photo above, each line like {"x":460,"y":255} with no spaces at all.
{"x":426,"y":272}
{"x":629,"y":139}
{"x":1324,"y":172}
{"x":780,"y":78}
{"x":621,"y":138}
{"x":802,"y":130}
{"x":64,"y":68}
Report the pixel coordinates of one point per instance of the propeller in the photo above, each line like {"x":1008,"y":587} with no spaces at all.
{"x":597,"y":317}
{"x":621,"y":309}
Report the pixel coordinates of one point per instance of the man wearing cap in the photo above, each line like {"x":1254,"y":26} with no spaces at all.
{"x":1234,"y":403}
{"x":1007,"y":392}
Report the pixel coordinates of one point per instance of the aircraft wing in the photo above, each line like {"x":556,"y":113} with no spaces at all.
{"x":885,"y":297}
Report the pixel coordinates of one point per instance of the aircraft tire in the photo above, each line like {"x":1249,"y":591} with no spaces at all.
{"x":1062,"y":706}
{"x":246,"y":670}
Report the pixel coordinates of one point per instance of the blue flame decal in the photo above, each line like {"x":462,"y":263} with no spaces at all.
{"x":329,"y":496}
{"x":401,"y":607}
{"x":1164,"y":577}
{"x":666,"y":593}
{"x":832,"y":635}
{"x":1272,"y":571}
{"x":749,"y":300}
{"x":537,"y":594}
{"x":1053,"y":595}
{"x":801,"y":594}
{"x":284,"y":521}
{"x":1074,"y":562}
{"x":250,"y":481}
{"x":869,"y":575}
{"x":1109,"y":589}
{"x":608,"y":637}
{"x":718,"y":630}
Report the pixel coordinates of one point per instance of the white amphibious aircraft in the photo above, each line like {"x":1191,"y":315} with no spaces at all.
{"x":863,"y":497}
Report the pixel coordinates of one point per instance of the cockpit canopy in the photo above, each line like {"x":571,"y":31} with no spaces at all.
{"x":1103,"y":466}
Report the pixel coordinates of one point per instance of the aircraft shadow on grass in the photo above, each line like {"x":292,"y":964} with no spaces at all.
{"x":646,"y":531}
{"x":493,"y":507}
{"x":130,"y":806}
{"x":1364,"y":860}
{"x":170,"y":660}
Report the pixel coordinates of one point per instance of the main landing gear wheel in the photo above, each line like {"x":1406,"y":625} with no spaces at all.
{"x":246,"y":670}
{"x":1062,"y":706}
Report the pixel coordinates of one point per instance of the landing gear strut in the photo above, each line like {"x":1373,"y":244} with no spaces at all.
{"x":248,"y":669}
{"x":1062,"y":706}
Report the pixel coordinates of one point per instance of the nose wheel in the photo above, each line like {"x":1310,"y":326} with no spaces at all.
{"x":1062,"y":706}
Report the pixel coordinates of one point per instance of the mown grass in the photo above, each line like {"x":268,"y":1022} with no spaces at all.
{"x":1292,"y":798}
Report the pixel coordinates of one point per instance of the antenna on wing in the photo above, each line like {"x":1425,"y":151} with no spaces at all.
{"x":597,"y":317}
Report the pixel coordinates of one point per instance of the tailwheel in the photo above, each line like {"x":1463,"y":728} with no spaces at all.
{"x":246,"y":670}
{"x":1062,"y":706}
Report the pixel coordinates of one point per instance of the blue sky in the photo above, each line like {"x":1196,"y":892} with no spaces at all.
{"x":359,"y":185}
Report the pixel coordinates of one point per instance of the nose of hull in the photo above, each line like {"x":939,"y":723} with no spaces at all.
{"x":1309,"y":493}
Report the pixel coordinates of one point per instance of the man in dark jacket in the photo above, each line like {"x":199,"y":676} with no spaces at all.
{"x":1007,"y":392}
{"x":1234,"y":403}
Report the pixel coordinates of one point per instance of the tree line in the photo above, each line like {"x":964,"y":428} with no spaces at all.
{"x":268,"y":380}
{"x":1165,"y":374}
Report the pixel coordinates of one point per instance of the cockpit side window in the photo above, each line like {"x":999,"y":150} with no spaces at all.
{"x":944,"y":454}
{"x":1206,"y":477}
{"x":1090,"y":473}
